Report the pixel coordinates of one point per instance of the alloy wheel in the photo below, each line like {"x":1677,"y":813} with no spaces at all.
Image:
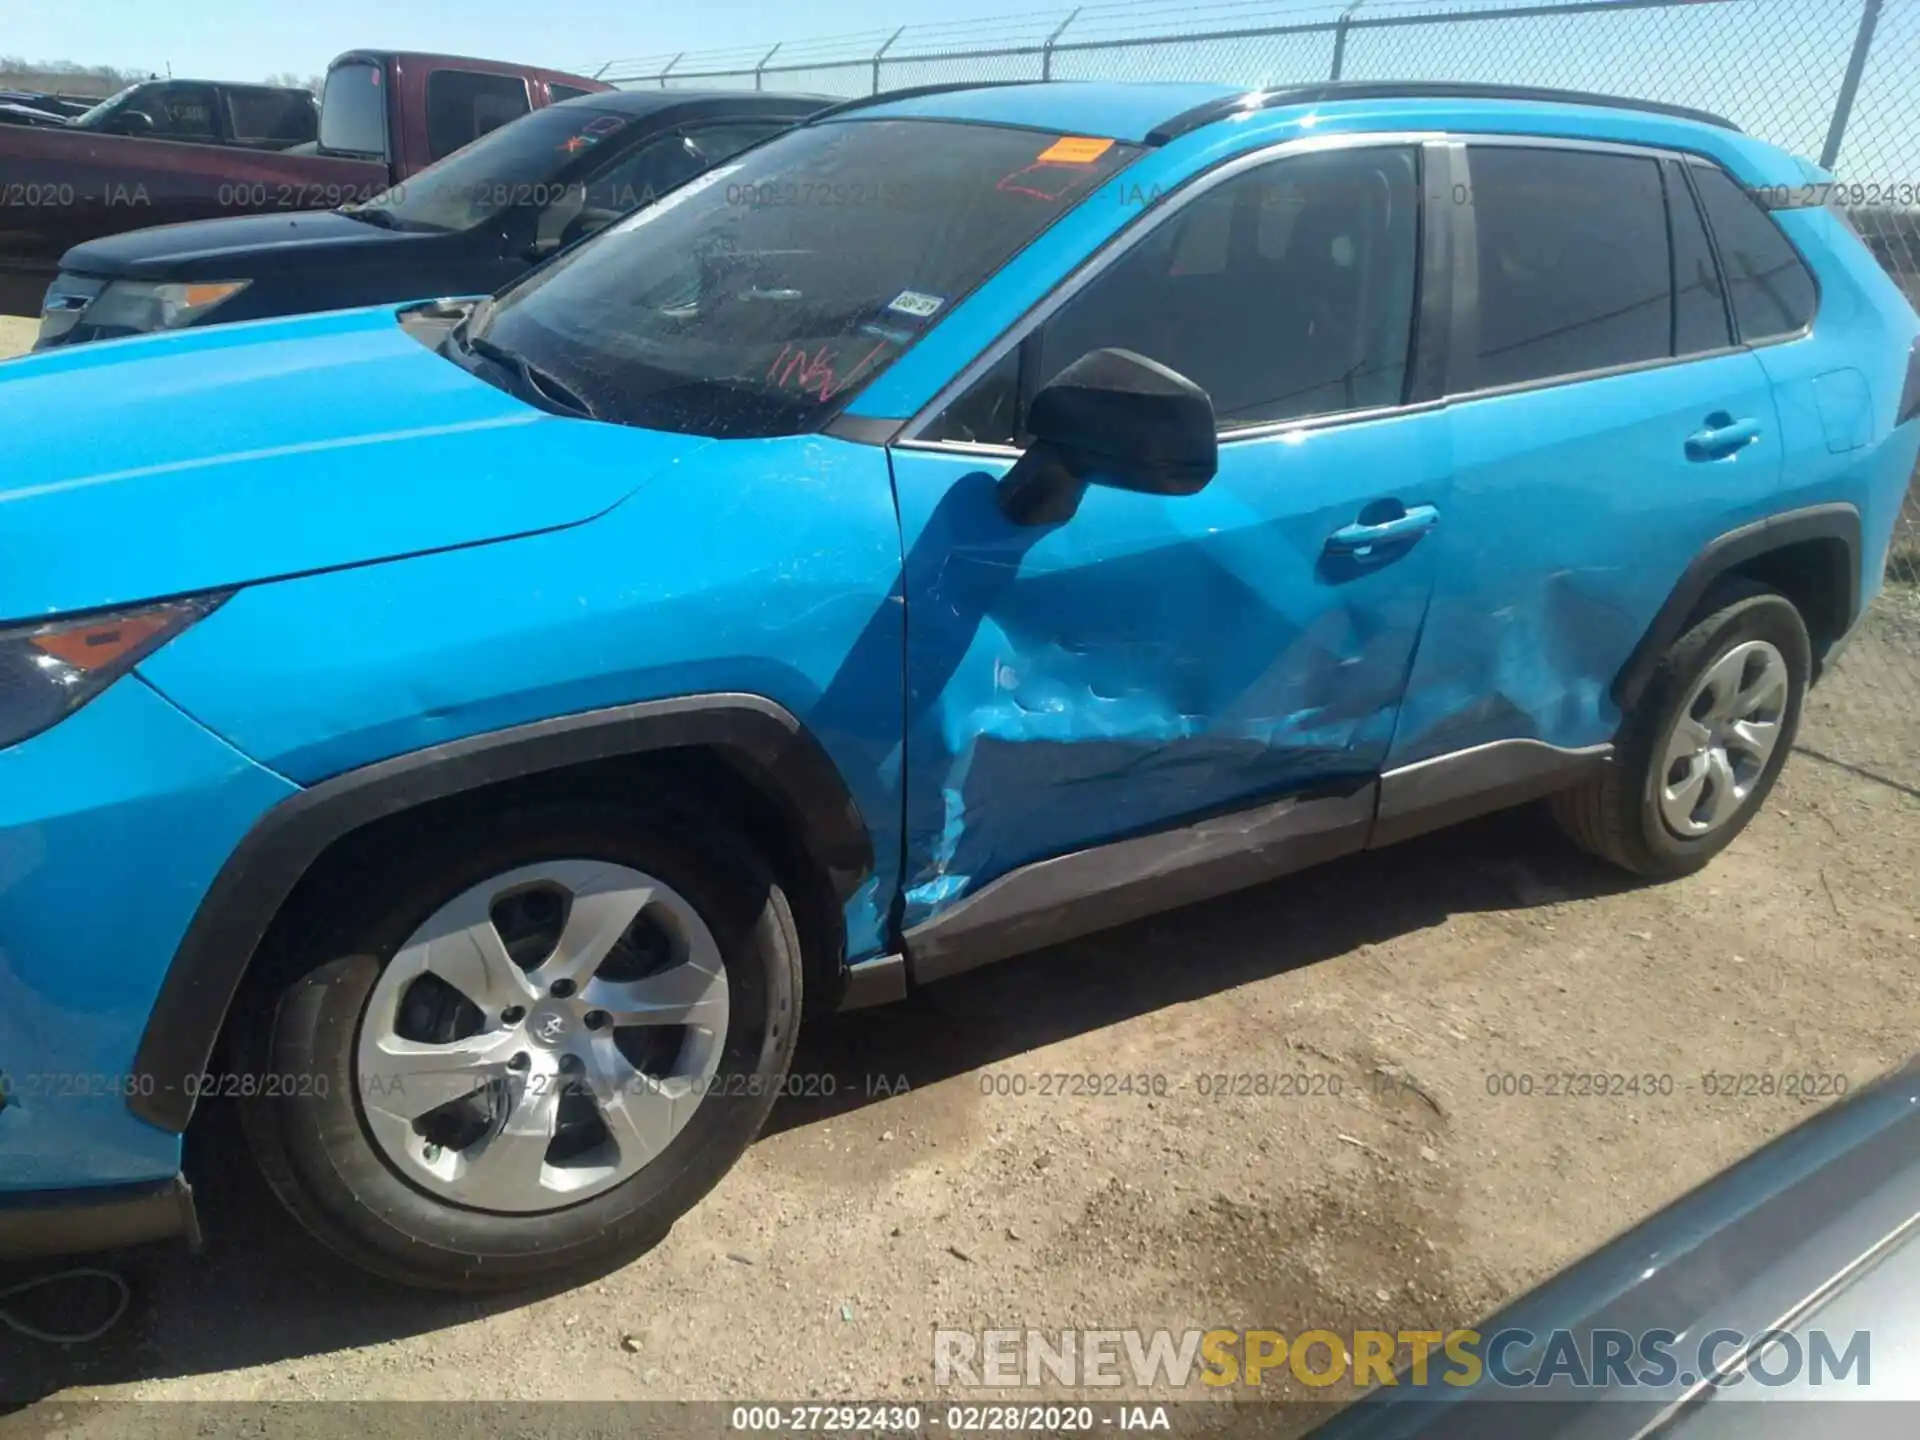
{"x":1718,"y":746}
{"x":542,"y":1036}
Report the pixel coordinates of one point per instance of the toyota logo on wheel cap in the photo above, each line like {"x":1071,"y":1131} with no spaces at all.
{"x":550,"y":1027}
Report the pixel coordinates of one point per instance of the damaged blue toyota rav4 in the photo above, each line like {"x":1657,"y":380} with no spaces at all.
{"x":470,"y":733}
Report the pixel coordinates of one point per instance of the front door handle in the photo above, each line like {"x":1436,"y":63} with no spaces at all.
{"x":1360,"y":539}
{"x":1723,"y":436}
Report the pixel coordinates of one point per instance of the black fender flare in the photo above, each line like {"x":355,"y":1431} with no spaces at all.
{"x":1725,"y":553}
{"x":758,"y":737}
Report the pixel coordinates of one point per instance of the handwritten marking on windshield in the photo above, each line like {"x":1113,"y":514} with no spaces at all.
{"x":816,"y":373}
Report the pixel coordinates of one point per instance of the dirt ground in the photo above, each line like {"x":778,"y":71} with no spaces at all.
{"x":1414,"y":981}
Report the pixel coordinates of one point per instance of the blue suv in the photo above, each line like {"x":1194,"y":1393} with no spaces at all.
{"x":468,"y":735}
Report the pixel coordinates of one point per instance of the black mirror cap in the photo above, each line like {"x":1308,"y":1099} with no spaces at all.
{"x":1117,"y":418}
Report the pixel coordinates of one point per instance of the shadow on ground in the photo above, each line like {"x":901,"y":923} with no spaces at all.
{"x":264,"y":1292}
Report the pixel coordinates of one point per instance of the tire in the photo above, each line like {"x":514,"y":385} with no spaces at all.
{"x":1621,"y":814}
{"x":357,"y":1174}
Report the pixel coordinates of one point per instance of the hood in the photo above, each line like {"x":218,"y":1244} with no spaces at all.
{"x":201,"y":459}
{"x":243,"y":244}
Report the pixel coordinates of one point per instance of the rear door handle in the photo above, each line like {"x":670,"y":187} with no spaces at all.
{"x":1723,"y":436}
{"x":1359,"y":539}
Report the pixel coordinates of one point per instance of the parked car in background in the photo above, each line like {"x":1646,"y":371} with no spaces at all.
{"x":383,"y":116}
{"x":465,"y":226}
{"x":968,"y":519}
{"x":206,"y":112}
{"x":1808,"y":1246}
{"x":41,"y":107}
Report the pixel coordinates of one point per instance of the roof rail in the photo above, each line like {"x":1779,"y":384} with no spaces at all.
{"x":1205,"y":114}
{"x":911,"y":92}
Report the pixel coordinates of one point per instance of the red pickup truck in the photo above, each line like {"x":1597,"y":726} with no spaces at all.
{"x":382,"y":117}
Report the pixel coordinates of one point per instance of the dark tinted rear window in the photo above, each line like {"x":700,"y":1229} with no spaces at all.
{"x":1574,"y":265}
{"x":353,"y":112}
{"x":463,"y":105}
{"x":557,"y":92}
{"x":274,"y":115}
{"x":1773,"y":292}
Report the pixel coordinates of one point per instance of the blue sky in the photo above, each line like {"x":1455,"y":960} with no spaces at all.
{"x":245,"y":39}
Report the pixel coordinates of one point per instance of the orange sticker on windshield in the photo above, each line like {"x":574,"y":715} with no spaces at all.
{"x":1075,"y":150}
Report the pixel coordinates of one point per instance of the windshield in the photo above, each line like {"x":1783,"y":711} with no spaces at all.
{"x":762,"y":296}
{"x":88,"y":119}
{"x":521,"y":163}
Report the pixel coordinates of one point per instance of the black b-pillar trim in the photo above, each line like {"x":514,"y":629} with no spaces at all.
{"x":761,"y":739}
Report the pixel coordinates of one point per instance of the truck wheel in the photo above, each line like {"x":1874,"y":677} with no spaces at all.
{"x":1697,"y":756}
{"x":518,"y":1059}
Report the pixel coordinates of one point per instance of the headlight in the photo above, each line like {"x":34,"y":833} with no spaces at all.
{"x":138,"y":306}
{"x":48,"y":671}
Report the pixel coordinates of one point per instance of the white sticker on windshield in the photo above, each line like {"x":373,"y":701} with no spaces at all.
{"x":675,"y":197}
{"x":912,"y":302}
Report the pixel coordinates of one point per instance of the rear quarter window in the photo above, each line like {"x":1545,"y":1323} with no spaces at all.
{"x":463,"y":105}
{"x":1772,"y":290}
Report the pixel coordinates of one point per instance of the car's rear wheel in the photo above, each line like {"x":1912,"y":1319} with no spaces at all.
{"x":519,"y":1059}
{"x":1698,"y":755}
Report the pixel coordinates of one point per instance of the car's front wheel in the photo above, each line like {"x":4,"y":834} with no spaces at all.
{"x":519,"y":1059}
{"x":1697,"y":756}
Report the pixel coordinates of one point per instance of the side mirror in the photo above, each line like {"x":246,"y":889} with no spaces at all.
{"x":133,"y":122}
{"x":1111,"y":418}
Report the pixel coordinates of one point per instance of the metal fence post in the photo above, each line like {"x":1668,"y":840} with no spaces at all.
{"x":880,"y":53}
{"x":670,"y":64}
{"x":1856,"y":64}
{"x":1340,"y":28}
{"x":760,"y":69}
{"x":1046,"y":50}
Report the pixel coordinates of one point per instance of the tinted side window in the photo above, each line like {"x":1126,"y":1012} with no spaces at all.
{"x":463,"y":105}
{"x":1699,"y":305}
{"x":275,"y":116}
{"x":1276,"y":321}
{"x":353,"y":111}
{"x":1574,"y":271}
{"x":556,"y":92}
{"x":1773,"y":293}
{"x":182,"y":112}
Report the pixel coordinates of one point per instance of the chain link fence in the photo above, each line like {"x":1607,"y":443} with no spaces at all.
{"x":1837,"y":80}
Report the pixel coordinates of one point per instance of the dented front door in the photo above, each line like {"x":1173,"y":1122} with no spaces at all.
{"x":1153,"y":659}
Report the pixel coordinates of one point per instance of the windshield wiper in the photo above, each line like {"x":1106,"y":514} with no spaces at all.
{"x":542,"y":387}
{"x":371,"y":215}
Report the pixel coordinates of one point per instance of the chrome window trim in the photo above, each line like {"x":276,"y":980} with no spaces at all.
{"x":1154,"y":215}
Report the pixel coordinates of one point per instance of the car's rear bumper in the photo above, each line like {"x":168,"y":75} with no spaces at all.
{"x":103,"y":1217}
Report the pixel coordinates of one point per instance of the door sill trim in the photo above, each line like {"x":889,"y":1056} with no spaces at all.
{"x":1087,"y":890}
{"x":1432,"y":794}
